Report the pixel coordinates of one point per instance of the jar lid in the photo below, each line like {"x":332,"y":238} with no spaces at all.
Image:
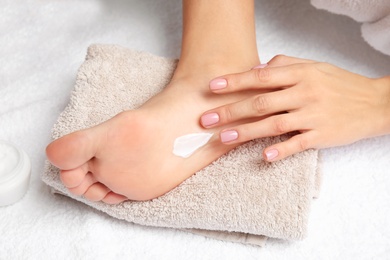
{"x":15,"y":169}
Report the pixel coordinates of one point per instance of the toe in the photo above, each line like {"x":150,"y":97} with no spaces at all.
{"x":73,"y":150}
{"x":113,"y":198}
{"x":73,"y":178}
{"x":87,"y":182}
{"x":96,"y":192}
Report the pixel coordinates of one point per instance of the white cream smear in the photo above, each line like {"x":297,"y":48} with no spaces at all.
{"x":184,"y":146}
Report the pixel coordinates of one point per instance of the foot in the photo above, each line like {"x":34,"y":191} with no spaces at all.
{"x":130,"y":156}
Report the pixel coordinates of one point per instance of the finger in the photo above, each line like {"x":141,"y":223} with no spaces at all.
{"x":295,"y":144}
{"x":256,"y":106}
{"x":265,"y":78}
{"x":271,"y":126}
{"x":284,"y":60}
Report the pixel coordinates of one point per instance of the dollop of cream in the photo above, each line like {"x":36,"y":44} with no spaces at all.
{"x":184,"y":146}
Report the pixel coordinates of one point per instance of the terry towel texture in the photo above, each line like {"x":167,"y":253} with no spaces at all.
{"x":239,"y":197}
{"x":375,"y":16}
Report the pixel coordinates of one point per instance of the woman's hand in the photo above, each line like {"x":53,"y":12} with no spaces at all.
{"x":326,"y":105}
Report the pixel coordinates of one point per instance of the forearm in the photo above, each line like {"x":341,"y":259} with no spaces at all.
{"x":218,"y":37}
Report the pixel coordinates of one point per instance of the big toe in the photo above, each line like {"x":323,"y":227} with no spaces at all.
{"x":72,"y":150}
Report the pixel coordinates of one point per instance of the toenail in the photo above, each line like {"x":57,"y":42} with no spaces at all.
{"x":217,"y":84}
{"x":271,"y":154}
{"x":209,"y":119}
{"x":228,"y":136}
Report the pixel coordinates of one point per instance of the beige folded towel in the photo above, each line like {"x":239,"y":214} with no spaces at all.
{"x":239,"y":197}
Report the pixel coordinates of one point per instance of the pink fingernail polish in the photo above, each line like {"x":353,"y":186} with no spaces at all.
{"x":261,"y":66}
{"x":228,"y":136}
{"x":271,"y":154}
{"x":209,"y":119}
{"x":217,"y":84}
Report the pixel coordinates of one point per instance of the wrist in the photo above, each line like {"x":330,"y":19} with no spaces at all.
{"x":383,"y":87}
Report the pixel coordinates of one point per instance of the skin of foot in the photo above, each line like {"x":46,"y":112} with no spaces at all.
{"x":130,"y":156}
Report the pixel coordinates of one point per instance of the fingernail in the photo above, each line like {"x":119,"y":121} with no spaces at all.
{"x":271,"y":154}
{"x":261,"y":66}
{"x":228,"y":136}
{"x":209,"y":119}
{"x":217,"y":84}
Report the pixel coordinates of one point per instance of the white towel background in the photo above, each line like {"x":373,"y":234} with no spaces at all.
{"x":42,"y":44}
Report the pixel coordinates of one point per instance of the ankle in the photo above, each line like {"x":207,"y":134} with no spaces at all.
{"x":205,"y":71}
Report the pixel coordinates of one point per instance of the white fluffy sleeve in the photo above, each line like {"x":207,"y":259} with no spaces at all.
{"x":374,"y":14}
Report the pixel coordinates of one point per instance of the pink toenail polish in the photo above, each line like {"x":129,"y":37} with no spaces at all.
{"x":228,"y":136}
{"x":271,"y":154}
{"x":209,"y":119}
{"x":217,"y":84}
{"x":261,"y":66}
